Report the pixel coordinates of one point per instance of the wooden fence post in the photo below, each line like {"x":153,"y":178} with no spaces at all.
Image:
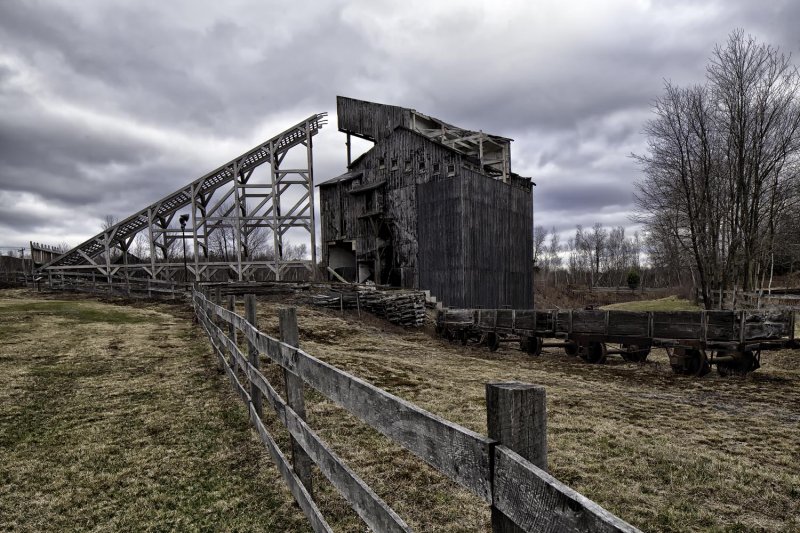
{"x":208,"y":310}
{"x":232,"y":329}
{"x":301,"y":462}
{"x":252,"y":351}
{"x":517,"y":419}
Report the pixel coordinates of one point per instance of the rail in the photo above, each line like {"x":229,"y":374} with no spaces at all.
{"x":787,"y":299}
{"x":500,"y":470}
{"x":110,"y":285}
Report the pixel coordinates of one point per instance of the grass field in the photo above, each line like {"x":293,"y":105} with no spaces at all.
{"x":115,"y":418}
{"x":671,"y":303}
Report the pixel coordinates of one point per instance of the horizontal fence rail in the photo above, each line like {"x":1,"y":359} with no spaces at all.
{"x":519,"y":492}
{"x":782,"y":298}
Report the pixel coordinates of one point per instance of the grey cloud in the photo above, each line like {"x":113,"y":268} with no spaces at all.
{"x":574,"y":103}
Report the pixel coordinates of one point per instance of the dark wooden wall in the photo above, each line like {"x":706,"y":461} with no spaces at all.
{"x":465,"y":237}
{"x":370,"y":120}
{"x":498,"y":243}
{"x":441,"y":240}
{"x":416,"y":157}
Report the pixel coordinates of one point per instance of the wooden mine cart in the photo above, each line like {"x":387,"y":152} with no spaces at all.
{"x":694,"y":340}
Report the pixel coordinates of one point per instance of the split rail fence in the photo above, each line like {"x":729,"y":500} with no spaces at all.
{"x":762,"y":299}
{"x":506,"y":470}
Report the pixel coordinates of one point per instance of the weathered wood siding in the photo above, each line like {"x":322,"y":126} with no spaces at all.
{"x":370,"y":120}
{"x":402,"y":161}
{"x":454,"y":231}
{"x":441,"y":240}
{"x":498,"y":243}
{"x":330,"y":217}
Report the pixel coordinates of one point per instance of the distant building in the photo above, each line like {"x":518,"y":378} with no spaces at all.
{"x":431,"y":206}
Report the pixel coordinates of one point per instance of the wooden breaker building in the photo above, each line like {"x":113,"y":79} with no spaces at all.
{"x":430,"y":206}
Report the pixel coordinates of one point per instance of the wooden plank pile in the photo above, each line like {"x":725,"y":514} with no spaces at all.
{"x":403,"y":307}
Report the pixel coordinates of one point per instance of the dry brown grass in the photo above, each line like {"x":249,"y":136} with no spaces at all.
{"x":666,"y":453}
{"x":114,"y":418}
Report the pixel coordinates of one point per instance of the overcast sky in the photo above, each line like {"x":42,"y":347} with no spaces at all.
{"x":106,"y":107}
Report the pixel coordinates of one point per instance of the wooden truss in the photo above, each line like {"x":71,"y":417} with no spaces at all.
{"x":233,"y":202}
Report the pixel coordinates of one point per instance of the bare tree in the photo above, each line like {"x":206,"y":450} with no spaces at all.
{"x":721,"y":164}
{"x":109,"y":221}
{"x":539,"y":236}
{"x":595,"y":245}
{"x":553,"y":257}
{"x":222,"y":241}
{"x":295,"y":252}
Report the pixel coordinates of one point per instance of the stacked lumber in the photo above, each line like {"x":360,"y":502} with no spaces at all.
{"x":402,"y":307}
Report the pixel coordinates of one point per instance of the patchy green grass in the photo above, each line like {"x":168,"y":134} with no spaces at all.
{"x":87,"y":312}
{"x":671,"y":303}
{"x":115,"y":418}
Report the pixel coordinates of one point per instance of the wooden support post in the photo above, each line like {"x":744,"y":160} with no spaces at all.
{"x":232,"y":329}
{"x":742,"y":324}
{"x":287,"y":319}
{"x":517,"y":419}
{"x":252,"y":351}
{"x":217,"y":295}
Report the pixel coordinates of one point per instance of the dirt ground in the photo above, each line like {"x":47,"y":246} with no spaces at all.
{"x":664,"y":452}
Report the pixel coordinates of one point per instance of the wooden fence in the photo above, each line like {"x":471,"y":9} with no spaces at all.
{"x":780,"y":299}
{"x":112,"y":286}
{"x":506,"y":470}
{"x":16,"y":279}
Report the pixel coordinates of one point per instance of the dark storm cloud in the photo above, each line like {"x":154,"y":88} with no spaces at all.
{"x":106,"y":107}
{"x":217,"y":74}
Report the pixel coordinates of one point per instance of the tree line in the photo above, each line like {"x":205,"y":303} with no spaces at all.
{"x":595,"y":256}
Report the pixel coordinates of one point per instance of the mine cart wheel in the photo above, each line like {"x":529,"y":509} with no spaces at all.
{"x":689,"y":362}
{"x":523,"y":343}
{"x":538,"y":345}
{"x":531,"y":345}
{"x":745,"y":362}
{"x":463,"y":336}
{"x":571,"y":348}
{"x":492,"y":341}
{"x":634,"y":353}
{"x":452,"y":335}
{"x":594,"y":352}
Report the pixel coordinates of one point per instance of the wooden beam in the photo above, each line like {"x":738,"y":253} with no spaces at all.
{"x":295,"y":395}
